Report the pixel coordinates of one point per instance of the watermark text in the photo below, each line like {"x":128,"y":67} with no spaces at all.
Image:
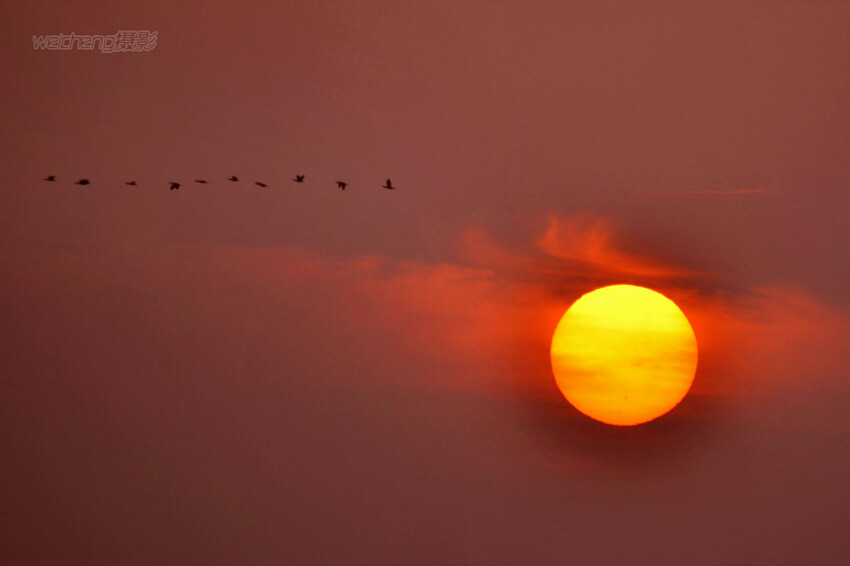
{"x":124,"y":41}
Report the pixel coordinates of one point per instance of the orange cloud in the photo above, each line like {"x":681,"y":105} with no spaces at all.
{"x":767,"y":341}
{"x":498,"y":308}
{"x":591,"y":241}
{"x":491,"y":313}
{"x":707,"y":192}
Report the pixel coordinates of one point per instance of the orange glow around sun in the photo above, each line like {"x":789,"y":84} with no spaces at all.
{"x":624,"y":355}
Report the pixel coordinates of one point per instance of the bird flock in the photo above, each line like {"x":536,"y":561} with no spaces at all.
{"x":173,"y":185}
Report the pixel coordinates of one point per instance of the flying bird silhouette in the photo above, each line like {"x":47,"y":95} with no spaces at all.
{"x":233,"y":178}
{"x":341,"y":185}
{"x":50,"y":178}
{"x":131,"y":183}
{"x":82,"y":182}
{"x":389,"y":185}
{"x":201,"y":181}
{"x":299,"y":179}
{"x":259,"y":184}
{"x":174,"y":186}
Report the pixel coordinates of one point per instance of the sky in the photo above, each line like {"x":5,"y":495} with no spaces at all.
{"x":298,"y":374}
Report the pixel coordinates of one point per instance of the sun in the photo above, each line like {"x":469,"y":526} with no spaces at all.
{"x":624,"y":355}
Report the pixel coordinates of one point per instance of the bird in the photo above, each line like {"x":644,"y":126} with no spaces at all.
{"x":389,"y":185}
{"x":174,"y":186}
{"x":82,"y":182}
{"x":233,"y":178}
{"x":259,"y":184}
{"x":131,"y":183}
{"x":341,"y":185}
{"x":50,"y":178}
{"x":201,"y":181}
{"x":299,"y":179}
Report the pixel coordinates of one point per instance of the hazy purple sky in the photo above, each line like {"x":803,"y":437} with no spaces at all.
{"x":232,"y":375}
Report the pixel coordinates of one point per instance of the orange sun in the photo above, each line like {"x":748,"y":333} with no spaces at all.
{"x":624,"y":355}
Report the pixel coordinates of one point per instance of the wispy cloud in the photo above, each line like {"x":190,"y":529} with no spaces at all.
{"x":499,"y":305}
{"x":706,"y":192}
{"x":490,"y":311}
{"x":591,"y":241}
{"x":579,"y":250}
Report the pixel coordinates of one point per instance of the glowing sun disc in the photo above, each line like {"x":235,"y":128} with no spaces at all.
{"x":624,"y":355}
